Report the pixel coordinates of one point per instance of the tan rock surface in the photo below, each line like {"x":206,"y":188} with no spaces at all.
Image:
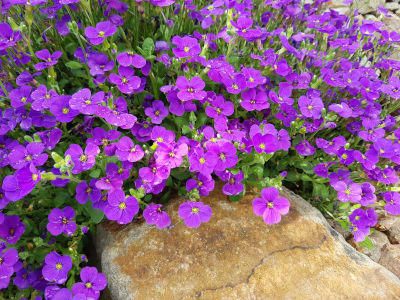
{"x":390,"y":258}
{"x":237,"y":256}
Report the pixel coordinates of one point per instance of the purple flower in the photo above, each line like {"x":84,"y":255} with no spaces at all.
{"x":126,"y":81}
{"x":11,"y":229}
{"x":226,"y":153}
{"x":311,"y":105}
{"x":235,"y":84}
{"x":50,"y":60}
{"x":154,"y":215}
{"x":92,"y":283}
{"x":99,"y":64}
{"x":185,"y":46}
{"x":20,"y":156}
{"x":304,"y":148}
{"x":85,"y":191}
{"x":83,"y":161}
{"x":392,"y":202}
{"x":113,"y":180}
{"x":56,"y":267}
{"x":102,"y":137}
{"x":157,"y":112}
{"x":119,"y":208}
{"x":331,"y":147}
{"x":126,"y":150}
{"x":190,"y":90}
{"x":203,"y":162}
{"x":254,"y":99}
{"x":20,"y":96}
{"x":98,"y":34}
{"x":85,"y":103}
{"x":234,"y":186}
{"x":171,"y":154}
{"x":271,"y":206}
{"x":368,"y":196}
{"x":61,"y":109}
{"x":8,"y":259}
{"x":8,"y":37}
{"x":219,"y":108}
{"x":194,"y":213}
{"x":351,"y":192}
{"x":60,"y":221}
{"x":359,"y":233}
{"x":129,"y":58}
{"x":42,"y":98}
{"x":204,"y":184}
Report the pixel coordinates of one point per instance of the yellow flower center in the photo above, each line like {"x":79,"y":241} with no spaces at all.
{"x":222,"y":156}
{"x":23,"y":99}
{"x":122,"y":205}
{"x":357,"y":218}
{"x":88,"y":102}
{"x":124,"y":80}
{"x":83,"y":158}
{"x":190,"y":90}
{"x":251,"y":79}
{"x":58,"y":266}
{"x":310,"y":107}
{"x":101,"y":33}
{"x":262,"y":146}
{"x":218,"y":110}
{"x":157,"y":113}
{"x":186,"y":49}
{"x":35,"y":177}
{"x":65,"y":110}
{"x":195,"y":210}
{"x":235,"y":86}
{"x":171,"y":154}
{"x":88,"y":285}
{"x":202,"y":160}
{"x":347,"y":192}
{"x":270,"y":204}
{"x":344,"y":156}
{"x":64,"y":221}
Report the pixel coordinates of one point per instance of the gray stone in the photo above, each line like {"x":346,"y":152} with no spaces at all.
{"x":379,"y":239}
{"x":237,"y":256}
{"x":391,"y":225}
{"x":392,"y":6}
{"x":371,"y":6}
{"x":391,"y":258}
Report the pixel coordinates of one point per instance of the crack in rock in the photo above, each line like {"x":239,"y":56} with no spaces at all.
{"x":253,"y":270}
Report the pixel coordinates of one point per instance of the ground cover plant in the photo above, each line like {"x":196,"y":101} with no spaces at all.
{"x":109,"y":107}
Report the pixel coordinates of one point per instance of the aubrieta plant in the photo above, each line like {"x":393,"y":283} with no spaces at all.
{"x":108,"y":108}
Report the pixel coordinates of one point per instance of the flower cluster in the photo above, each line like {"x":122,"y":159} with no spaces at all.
{"x":121,"y":104}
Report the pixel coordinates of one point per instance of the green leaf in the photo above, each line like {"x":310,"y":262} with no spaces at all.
{"x":73,"y":65}
{"x":23,"y":255}
{"x":320,"y":190}
{"x":186,"y":129}
{"x":344,"y":205}
{"x":180,"y":174}
{"x":367,"y":243}
{"x":38,"y":241}
{"x":236,"y":198}
{"x":95,"y":173}
{"x":95,"y":214}
{"x":148,"y":46}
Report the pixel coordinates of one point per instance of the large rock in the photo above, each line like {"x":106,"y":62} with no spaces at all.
{"x":390,"y":258}
{"x":237,"y":256}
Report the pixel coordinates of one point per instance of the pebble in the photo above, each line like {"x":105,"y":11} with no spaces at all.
{"x":392,"y":6}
